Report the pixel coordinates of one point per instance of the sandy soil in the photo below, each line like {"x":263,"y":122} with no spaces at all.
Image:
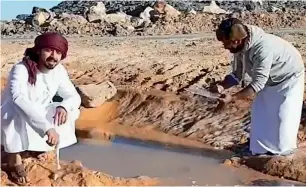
{"x":151,"y":103}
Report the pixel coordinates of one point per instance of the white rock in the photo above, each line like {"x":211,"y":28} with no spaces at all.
{"x":78,"y":18}
{"x":94,"y":95}
{"x":214,"y":9}
{"x":40,"y":18}
{"x":118,"y":17}
{"x":259,"y":1}
{"x":275,"y":9}
{"x":171,"y":11}
{"x":145,"y":15}
{"x":97,"y":12}
{"x":192,"y":11}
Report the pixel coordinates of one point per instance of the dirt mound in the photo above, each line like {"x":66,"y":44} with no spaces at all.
{"x":290,"y":167}
{"x":71,"y":174}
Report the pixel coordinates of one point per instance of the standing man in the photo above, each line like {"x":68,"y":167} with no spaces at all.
{"x":28,"y":115}
{"x":277,"y":78}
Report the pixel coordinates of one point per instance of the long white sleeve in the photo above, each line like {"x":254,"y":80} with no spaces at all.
{"x":71,"y":98}
{"x":18,"y":84}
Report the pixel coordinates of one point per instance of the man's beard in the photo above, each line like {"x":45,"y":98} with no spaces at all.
{"x":48,"y":65}
{"x":237,"y":49}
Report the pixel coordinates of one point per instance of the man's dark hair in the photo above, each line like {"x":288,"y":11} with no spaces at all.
{"x":32,"y":54}
{"x":225,"y":28}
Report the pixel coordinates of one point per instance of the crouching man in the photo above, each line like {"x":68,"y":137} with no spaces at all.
{"x":277,"y":76}
{"x":30,"y":121}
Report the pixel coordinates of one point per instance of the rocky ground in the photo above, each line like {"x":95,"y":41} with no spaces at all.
{"x":41,"y":173}
{"x":150,"y":77}
{"x":85,"y":18}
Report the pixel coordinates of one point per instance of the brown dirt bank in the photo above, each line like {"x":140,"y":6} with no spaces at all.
{"x":146,"y":116}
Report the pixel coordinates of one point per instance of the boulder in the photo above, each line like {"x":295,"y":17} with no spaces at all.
{"x":145,"y":15}
{"x":40,"y":18}
{"x":96,"y":13}
{"x":118,"y":17}
{"x":214,"y":9}
{"x":77,"y":18}
{"x":171,"y":12}
{"x":94,"y":95}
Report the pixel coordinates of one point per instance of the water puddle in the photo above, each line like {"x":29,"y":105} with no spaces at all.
{"x":173,"y":166}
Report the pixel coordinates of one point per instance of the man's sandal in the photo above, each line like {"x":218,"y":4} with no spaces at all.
{"x":17,"y":172}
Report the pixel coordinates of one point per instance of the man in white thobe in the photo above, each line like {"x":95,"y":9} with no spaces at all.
{"x":30,"y":121}
{"x":276,"y":70}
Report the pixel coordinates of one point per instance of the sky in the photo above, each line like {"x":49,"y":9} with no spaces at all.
{"x":11,"y":8}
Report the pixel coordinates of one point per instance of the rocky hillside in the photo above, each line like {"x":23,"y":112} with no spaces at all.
{"x":126,"y":18}
{"x":135,"y":7}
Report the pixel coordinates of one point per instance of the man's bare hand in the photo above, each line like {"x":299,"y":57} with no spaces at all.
{"x":225,"y":98}
{"x":60,"y":116}
{"x":53,"y":137}
{"x":216,"y":88}
{"x":223,"y":101}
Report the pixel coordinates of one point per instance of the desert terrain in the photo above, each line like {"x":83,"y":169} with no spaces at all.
{"x":150,"y":74}
{"x":151,"y":103}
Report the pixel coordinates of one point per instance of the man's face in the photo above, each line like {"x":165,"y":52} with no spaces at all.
{"x":233,"y":46}
{"x":50,"y":58}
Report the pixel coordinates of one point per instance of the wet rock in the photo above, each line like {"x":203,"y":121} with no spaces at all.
{"x":96,"y":133}
{"x":77,"y":163}
{"x":227,"y":162}
{"x":94,"y":95}
{"x":235,"y":160}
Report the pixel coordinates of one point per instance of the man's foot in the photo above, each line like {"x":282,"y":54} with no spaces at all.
{"x":16,"y":169}
{"x":18,"y":174}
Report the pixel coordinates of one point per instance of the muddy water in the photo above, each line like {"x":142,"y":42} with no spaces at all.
{"x":128,"y":158}
{"x":173,"y":166}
